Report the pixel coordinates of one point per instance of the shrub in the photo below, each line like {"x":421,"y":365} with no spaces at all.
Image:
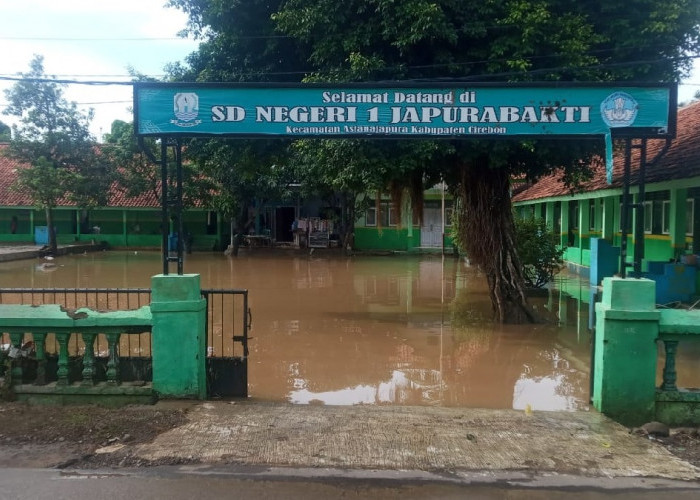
{"x":538,"y":249}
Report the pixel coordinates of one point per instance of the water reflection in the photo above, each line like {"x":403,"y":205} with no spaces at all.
{"x":371,"y":330}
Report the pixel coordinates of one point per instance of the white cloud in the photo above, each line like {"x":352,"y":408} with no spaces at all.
{"x":93,"y":40}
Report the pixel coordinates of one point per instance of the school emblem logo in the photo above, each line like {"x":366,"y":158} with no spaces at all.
{"x":186,"y":109}
{"x":619,"y":110}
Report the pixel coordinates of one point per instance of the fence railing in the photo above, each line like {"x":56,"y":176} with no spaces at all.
{"x":114,"y":357}
{"x":676,"y":325}
{"x":135,"y":347}
{"x":28,"y":361}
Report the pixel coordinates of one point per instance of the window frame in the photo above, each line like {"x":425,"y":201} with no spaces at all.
{"x":391,"y":215}
{"x":367,"y":212}
{"x":591,"y":215}
{"x":666,"y":217}
{"x":648,"y":217}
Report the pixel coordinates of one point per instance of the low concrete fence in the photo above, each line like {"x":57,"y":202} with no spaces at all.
{"x":40,"y":335}
{"x":674,"y":405}
{"x":68,"y":328}
{"x":629,"y":329}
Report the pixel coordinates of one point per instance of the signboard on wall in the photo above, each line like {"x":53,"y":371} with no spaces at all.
{"x":454,"y":111}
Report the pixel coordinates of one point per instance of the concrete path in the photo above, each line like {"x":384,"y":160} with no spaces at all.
{"x":446,"y":440}
{"x":24,"y":252}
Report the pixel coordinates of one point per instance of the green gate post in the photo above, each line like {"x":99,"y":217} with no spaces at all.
{"x":627,"y":326}
{"x":178,"y":336}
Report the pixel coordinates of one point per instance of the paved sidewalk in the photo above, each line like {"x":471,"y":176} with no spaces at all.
{"x":446,"y":440}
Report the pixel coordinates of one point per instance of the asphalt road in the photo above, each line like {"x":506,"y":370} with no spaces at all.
{"x":204,"y":482}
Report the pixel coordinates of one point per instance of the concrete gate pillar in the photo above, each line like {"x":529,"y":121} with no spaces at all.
{"x":178,"y":339}
{"x":627,"y":326}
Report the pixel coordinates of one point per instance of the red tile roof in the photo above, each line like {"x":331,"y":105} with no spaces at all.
{"x":12,"y":198}
{"x":681,"y":161}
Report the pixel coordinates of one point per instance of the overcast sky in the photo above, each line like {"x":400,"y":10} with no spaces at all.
{"x":99,"y":40}
{"x":91,"y":40}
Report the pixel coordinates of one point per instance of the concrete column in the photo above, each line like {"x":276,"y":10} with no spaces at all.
{"x":564,"y":236}
{"x":125,"y":229}
{"x":584,"y":223}
{"x":220,"y":232}
{"x":608,"y":219}
{"x":549,"y":214}
{"x":408,"y":220}
{"x":178,"y":336}
{"x":678,"y":221}
{"x":627,"y":326}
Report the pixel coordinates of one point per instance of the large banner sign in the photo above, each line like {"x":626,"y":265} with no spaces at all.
{"x":457,"y":111}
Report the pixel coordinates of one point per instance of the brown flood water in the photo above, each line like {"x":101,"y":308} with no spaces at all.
{"x":404,"y":330}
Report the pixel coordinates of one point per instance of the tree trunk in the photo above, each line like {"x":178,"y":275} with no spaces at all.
{"x":347,"y":218}
{"x":53,"y":244}
{"x":486,"y":233}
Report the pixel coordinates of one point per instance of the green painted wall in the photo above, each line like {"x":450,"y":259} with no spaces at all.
{"x":118,"y":227}
{"x":387,"y":238}
{"x":23,"y":225}
{"x":606,"y":224}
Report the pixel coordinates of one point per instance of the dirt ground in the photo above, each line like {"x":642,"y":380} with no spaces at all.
{"x":73,"y":436}
{"x":93,"y":437}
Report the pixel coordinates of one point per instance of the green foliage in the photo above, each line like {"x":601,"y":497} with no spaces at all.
{"x":5,"y":132}
{"x":53,"y":139}
{"x":46,"y":183}
{"x":538,"y":249}
{"x":136,"y":174}
{"x":440,"y":41}
{"x":241,"y":172}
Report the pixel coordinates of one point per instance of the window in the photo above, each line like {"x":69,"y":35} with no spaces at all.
{"x":648,"y":216}
{"x":387,"y":215}
{"x":384,"y":214}
{"x":557,"y":217}
{"x":591,"y":215}
{"x":630,"y":214}
{"x":393,"y":216}
{"x":666,"y":217}
{"x":415,"y":220}
{"x":371,"y":217}
{"x":689,"y":216}
{"x":573,"y":215}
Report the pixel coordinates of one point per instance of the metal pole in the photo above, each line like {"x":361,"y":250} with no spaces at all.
{"x":178,"y":209}
{"x":443,"y":219}
{"x":639,"y":226}
{"x":165,"y":225}
{"x":625,"y":208}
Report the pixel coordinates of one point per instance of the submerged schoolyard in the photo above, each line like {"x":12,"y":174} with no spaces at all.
{"x":399,"y":330}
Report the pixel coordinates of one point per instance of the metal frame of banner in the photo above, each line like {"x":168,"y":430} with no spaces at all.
{"x":635,"y":139}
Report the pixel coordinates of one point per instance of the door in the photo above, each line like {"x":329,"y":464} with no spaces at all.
{"x":284,"y":217}
{"x":431,"y":230}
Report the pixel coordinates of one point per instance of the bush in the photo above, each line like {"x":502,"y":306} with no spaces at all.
{"x":538,"y":249}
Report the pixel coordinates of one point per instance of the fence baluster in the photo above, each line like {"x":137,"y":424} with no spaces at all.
{"x":113,"y":362}
{"x":669,"y":376}
{"x":40,"y":349}
{"x":89,"y":358}
{"x":16,"y":344}
{"x":62,"y":372}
